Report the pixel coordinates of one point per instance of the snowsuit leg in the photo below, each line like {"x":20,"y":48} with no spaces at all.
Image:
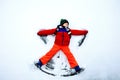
{"x":71,"y":59}
{"x":50,"y":54}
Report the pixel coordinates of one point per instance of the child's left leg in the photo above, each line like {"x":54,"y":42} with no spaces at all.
{"x":71,"y":59}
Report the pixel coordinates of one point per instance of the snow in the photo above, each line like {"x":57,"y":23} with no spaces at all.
{"x":20,"y":46}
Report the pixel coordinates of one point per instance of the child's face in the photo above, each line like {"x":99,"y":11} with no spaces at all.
{"x":66,"y":24}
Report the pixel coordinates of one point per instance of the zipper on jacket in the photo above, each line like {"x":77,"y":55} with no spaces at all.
{"x":63,"y":38}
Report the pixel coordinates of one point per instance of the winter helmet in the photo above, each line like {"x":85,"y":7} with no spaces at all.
{"x":63,"y":21}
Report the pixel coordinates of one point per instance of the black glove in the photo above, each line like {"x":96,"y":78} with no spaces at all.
{"x":81,"y":41}
{"x":44,"y":39}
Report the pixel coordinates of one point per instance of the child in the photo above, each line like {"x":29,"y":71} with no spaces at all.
{"x":62,"y":39}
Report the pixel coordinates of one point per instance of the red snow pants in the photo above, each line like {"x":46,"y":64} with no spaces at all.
{"x":73,"y":63}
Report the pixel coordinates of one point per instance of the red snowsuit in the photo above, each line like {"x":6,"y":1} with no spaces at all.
{"x":62,"y":41}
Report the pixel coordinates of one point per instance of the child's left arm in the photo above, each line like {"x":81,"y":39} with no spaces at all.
{"x":79,"y":32}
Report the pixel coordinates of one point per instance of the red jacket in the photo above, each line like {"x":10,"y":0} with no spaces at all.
{"x":62,"y":38}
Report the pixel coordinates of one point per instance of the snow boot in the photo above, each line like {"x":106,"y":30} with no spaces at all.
{"x":78,"y":69}
{"x":38,"y":64}
{"x":73,"y":71}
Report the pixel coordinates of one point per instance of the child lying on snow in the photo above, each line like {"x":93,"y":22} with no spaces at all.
{"x":63,"y":35}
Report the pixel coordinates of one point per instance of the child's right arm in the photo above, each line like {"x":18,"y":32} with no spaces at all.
{"x":46,"y":32}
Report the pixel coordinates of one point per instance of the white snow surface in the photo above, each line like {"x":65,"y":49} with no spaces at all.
{"x":20,"y":46}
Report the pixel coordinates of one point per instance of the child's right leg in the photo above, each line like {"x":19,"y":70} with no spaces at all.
{"x":48,"y":55}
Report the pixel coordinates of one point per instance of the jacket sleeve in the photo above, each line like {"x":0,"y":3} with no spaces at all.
{"x":46,"y":32}
{"x":79,"y":32}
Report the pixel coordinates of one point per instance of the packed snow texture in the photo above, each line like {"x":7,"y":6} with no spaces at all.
{"x":20,"y":46}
